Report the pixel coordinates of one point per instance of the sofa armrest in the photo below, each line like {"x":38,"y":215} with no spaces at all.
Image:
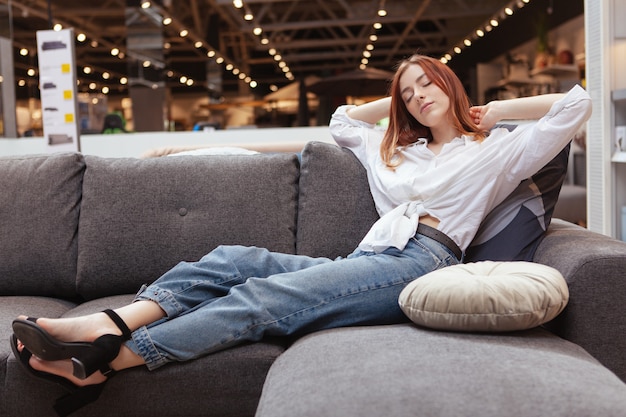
{"x":594,"y":266}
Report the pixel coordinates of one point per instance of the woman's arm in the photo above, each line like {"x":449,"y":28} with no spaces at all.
{"x":529,"y":108}
{"x":371,"y":112}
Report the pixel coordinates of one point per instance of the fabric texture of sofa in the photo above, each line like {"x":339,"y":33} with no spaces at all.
{"x":82,"y":233}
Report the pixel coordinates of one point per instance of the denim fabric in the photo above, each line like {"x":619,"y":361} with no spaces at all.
{"x":236,"y":294}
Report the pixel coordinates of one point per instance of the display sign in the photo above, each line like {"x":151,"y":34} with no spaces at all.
{"x":57,"y":85}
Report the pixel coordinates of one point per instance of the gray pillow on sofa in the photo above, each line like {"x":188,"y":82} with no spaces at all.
{"x":39,"y":211}
{"x":140,"y":217}
{"x":515,"y":228}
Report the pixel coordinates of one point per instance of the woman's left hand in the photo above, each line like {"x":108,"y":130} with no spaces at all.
{"x":484,"y":116}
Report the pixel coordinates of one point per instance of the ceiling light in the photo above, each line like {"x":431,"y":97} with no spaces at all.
{"x":123,"y":80}
{"x":238,"y":4}
{"x":92,"y":86}
{"x":145,"y":5}
{"x":248,"y":15}
{"x":377,"y":25}
{"x":381,"y":9}
{"x":87,"y":70}
{"x":23,"y":51}
{"x":81,"y":37}
{"x":480,"y":33}
{"x":115,"y":52}
{"x":198,"y":44}
{"x":457,"y":50}
{"x":253,"y":84}
{"x":184,"y":33}
{"x":105,"y":90}
{"x":167,"y":21}
{"x":508,"y":11}
{"x":467,"y":42}
{"x":257,"y":31}
{"x":106,"y":75}
{"x":31,"y":72}
{"x":494,"y":22}
{"x":57,"y":27}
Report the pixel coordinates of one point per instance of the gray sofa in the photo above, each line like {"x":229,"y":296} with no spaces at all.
{"x":81,"y":233}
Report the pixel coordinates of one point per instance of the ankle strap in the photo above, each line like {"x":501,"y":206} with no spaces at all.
{"x":119,"y":323}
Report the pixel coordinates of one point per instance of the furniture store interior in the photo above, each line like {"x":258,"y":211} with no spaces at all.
{"x":313,"y":208}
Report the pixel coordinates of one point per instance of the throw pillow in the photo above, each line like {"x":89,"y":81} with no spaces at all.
{"x":486,"y":296}
{"x":514,"y":229}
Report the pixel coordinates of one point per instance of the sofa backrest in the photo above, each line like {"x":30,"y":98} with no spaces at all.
{"x":39,"y":209}
{"x":335,"y":208}
{"x":140,"y":217}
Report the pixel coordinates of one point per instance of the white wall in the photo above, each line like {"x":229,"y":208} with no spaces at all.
{"x":288,"y":139}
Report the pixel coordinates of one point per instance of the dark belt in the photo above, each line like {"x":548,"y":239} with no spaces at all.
{"x":440,"y":237}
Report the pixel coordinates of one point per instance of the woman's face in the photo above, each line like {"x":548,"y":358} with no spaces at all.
{"x":426,"y":102}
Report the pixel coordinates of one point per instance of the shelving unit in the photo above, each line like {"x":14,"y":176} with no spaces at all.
{"x":538,"y":81}
{"x":557,"y":71}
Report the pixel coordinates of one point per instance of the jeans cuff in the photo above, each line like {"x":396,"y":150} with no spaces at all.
{"x":162,"y":297}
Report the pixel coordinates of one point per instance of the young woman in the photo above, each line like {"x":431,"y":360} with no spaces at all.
{"x":434,"y":173}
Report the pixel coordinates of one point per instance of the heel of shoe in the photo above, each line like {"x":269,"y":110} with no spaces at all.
{"x":82,"y":396}
{"x":104,"y":350}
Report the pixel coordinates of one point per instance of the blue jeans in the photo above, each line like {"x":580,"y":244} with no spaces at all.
{"x":236,"y":294}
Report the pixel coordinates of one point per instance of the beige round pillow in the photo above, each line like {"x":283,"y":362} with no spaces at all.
{"x":486,"y":296}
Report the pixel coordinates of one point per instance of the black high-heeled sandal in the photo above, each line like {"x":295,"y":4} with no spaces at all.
{"x":76,"y":397}
{"x":87,"y":357}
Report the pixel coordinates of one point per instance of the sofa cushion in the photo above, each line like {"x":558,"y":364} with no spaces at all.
{"x":139,"y":217}
{"x":226,"y":383}
{"x":486,"y":296}
{"x":403,"y":370}
{"x":336,"y":208}
{"x":39,"y":212}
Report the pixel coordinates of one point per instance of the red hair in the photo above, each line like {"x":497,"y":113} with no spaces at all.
{"x":404,"y":130}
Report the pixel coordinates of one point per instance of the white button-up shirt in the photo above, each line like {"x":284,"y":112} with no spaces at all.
{"x":461,"y":184}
